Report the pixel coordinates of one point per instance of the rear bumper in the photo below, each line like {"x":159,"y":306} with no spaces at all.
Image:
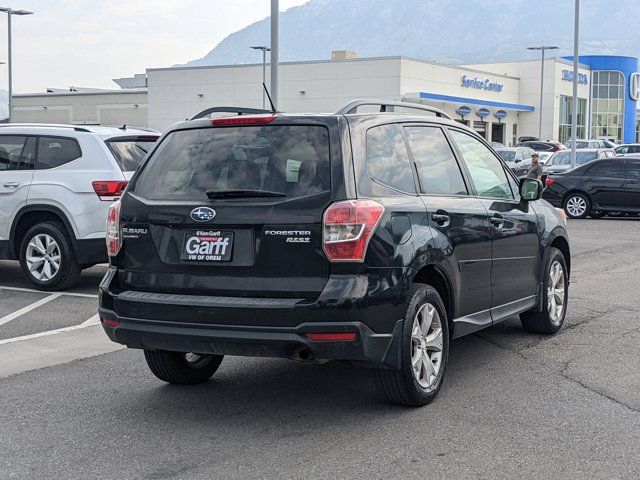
{"x":264,"y":327}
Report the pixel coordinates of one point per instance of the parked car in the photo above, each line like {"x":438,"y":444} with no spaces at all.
{"x":527,"y":139}
{"x":584,"y":144}
{"x":543,"y":146}
{"x":56,"y":185}
{"x":598,"y":188}
{"x":608,"y":143}
{"x":627,"y":149}
{"x":518,"y":159}
{"x":561,"y":161}
{"x":365,"y":237}
{"x":497,"y":144}
{"x":544,"y":157}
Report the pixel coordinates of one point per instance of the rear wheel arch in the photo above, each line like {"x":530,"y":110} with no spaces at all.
{"x":439,"y":280}
{"x":562,"y":244}
{"x":32,"y":215}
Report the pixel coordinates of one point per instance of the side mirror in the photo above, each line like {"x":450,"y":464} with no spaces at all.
{"x":518,"y":160}
{"x":530,"y":189}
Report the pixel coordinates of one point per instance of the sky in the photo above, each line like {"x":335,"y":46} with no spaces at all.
{"x":86,"y":43}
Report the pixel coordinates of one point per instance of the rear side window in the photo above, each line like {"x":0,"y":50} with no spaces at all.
{"x":387,"y":158}
{"x":17,"y":152}
{"x":130,"y":151}
{"x":55,"y":151}
{"x":292,"y":160}
{"x":438,"y":169}
{"x":607,"y":168}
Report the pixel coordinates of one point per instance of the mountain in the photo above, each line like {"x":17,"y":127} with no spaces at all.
{"x":461,"y":31}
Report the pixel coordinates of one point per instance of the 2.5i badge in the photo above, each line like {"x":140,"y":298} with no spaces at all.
{"x":207,"y":246}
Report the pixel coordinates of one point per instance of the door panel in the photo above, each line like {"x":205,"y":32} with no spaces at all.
{"x":632,"y":192}
{"x":17,"y":154}
{"x":514,"y":250}
{"x":461,"y":230}
{"x":605,"y":183}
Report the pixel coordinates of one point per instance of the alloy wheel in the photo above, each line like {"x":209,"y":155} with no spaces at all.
{"x":426,"y":340}
{"x":43,"y":257}
{"x":555,"y":292}
{"x":576,"y":206}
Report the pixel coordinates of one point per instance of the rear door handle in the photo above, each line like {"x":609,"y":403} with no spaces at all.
{"x":441,"y":218}
{"x":12,"y":185}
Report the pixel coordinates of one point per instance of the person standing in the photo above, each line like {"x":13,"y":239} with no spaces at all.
{"x":536,"y":169}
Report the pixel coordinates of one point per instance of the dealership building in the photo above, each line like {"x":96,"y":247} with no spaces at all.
{"x":501,"y":101}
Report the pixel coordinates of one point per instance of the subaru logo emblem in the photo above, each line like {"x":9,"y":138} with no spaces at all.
{"x":203,"y":214}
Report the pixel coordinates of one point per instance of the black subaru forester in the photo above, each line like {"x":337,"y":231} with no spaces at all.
{"x":375,"y":238}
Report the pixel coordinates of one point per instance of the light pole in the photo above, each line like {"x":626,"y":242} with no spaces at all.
{"x":576,"y":59}
{"x":264,"y":69}
{"x":542,"y":49}
{"x":275,"y":59}
{"x":10,"y":12}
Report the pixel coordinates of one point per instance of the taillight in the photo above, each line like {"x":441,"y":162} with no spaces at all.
{"x":548,"y":181}
{"x":108,"y":191}
{"x":114,"y":240}
{"x":242,"y":120}
{"x":348,"y":227}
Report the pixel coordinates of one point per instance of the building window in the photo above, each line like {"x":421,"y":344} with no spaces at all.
{"x":607,"y":105}
{"x":638,"y":130}
{"x":515,"y":134}
{"x":566,"y":113}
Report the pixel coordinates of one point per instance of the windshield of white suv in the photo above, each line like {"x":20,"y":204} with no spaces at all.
{"x":291,"y":161}
{"x":130,"y":151}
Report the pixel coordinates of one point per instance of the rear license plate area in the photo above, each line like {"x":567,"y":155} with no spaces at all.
{"x":207,"y":246}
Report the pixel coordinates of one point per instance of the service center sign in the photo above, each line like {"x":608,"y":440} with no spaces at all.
{"x":480,"y":84}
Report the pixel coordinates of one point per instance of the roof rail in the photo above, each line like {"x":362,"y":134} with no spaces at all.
{"x":389,"y":106}
{"x":45,"y":125}
{"x":238,"y":110}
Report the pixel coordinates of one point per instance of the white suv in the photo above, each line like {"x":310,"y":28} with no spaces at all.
{"x":56,"y":185}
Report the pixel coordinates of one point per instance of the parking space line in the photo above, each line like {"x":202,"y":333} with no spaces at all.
{"x":31,"y":290}
{"x":28,"y":308}
{"x":95,"y":320}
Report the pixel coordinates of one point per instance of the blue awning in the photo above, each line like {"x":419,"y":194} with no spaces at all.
{"x":473,"y":101}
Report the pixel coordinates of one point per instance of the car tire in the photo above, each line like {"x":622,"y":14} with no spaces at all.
{"x":555,"y":290}
{"x":424,"y":343}
{"x":577,"y":205}
{"x":47,"y":258}
{"x":181,"y":368}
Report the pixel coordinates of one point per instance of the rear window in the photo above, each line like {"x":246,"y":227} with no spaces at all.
{"x":129,"y":152}
{"x":292,"y":160}
{"x":56,"y":151}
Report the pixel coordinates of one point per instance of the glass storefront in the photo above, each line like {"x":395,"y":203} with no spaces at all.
{"x":638,"y":130}
{"x":566,"y":114}
{"x":607,"y":105}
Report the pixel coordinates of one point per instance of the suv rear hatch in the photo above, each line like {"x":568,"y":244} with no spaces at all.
{"x":233,"y":210}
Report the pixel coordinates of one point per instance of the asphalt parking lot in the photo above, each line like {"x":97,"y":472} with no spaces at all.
{"x":514,"y":405}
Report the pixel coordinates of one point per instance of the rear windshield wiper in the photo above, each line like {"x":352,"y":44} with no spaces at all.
{"x":242,"y":193}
